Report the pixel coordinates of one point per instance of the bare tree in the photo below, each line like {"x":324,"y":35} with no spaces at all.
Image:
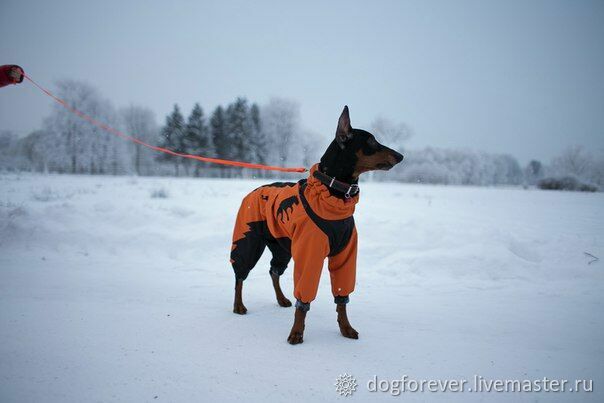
{"x":140,"y":123}
{"x":312,"y":148}
{"x":533,"y":172}
{"x":280,"y":122}
{"x":12,"y":157}
{"x":460,"y":167}
{"x":573,"y":161}
{"x":78,"y":146}
{"x":597,"y":172}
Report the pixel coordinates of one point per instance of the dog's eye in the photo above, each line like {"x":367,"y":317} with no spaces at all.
{"x":372,"y":143}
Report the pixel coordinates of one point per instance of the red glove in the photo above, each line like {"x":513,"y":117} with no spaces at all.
{"x":10,"y":74}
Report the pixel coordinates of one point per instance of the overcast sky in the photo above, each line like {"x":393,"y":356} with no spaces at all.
{"x":521,"y":77}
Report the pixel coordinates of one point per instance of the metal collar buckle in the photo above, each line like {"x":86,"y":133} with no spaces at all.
{"x":352,"y":191}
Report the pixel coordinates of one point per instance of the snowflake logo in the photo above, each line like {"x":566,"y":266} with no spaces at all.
{"x":345,"y":384}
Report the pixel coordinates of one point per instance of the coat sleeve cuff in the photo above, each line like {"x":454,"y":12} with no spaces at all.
{"x":303,"y":306}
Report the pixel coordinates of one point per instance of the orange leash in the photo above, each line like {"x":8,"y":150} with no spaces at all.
{"x":156,"y":148}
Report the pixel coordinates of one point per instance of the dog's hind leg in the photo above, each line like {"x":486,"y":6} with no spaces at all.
{"x":245,"y":253}
{"x":238,"y":306}
{"x":281,"y":258}
{"x":248,"y":242}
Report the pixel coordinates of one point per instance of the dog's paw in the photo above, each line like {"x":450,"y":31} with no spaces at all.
{"x":239,"y":309}
{"x":295,"y":337}
{"x":349,"y":332}
{"x":284,"y":302}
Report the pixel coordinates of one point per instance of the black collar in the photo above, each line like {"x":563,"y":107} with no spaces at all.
{"x":349,"y":190}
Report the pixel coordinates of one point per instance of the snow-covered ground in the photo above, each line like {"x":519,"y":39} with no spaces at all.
{"x":110,"y":294}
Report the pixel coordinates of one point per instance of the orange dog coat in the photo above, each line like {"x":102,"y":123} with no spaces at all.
{"x":300,"y":220}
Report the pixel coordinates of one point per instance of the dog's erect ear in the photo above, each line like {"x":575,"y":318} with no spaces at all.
{"x":344,"y":130}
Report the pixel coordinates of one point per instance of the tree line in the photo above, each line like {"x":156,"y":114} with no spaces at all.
{"x":270,"y":134}
{"x":233,"y":133}
{"x":240,"y":131}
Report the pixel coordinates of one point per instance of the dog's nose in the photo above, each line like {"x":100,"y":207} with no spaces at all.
{"x":398,"y":156}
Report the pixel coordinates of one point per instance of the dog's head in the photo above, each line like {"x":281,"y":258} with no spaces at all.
{"x":355,"y":151}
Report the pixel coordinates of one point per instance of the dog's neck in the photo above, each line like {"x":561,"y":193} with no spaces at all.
{"x":339,"y":165}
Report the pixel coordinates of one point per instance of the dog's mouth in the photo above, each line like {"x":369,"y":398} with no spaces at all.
{"x":384,"y":166}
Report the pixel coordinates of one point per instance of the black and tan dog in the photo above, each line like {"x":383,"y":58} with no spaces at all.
{"x":310,"y":220}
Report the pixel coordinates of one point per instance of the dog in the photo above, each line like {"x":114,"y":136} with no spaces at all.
{"x":310,"y":220}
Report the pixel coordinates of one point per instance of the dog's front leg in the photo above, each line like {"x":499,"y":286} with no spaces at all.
{"x":345,"y":328}
{"x":296,"y":335}
{"x":238,"y":306}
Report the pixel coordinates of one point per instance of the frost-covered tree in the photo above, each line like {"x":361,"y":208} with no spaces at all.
{"x":6,"y":139}
{"x":597,"y":171}
{"x":533,"y":172}
{"x":280,"y":123}
{"x":507,"y":170}
{"x":12,"y":155}
{"x":38,"y":148}
{"x":76,"y":146}
{"x":198,"y":139}
{"x":172,"y":138}
{"x":312,"y":146}
{"x":574,"y":161}
{"x":460,"y":167}
{"x":140,"y":123}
